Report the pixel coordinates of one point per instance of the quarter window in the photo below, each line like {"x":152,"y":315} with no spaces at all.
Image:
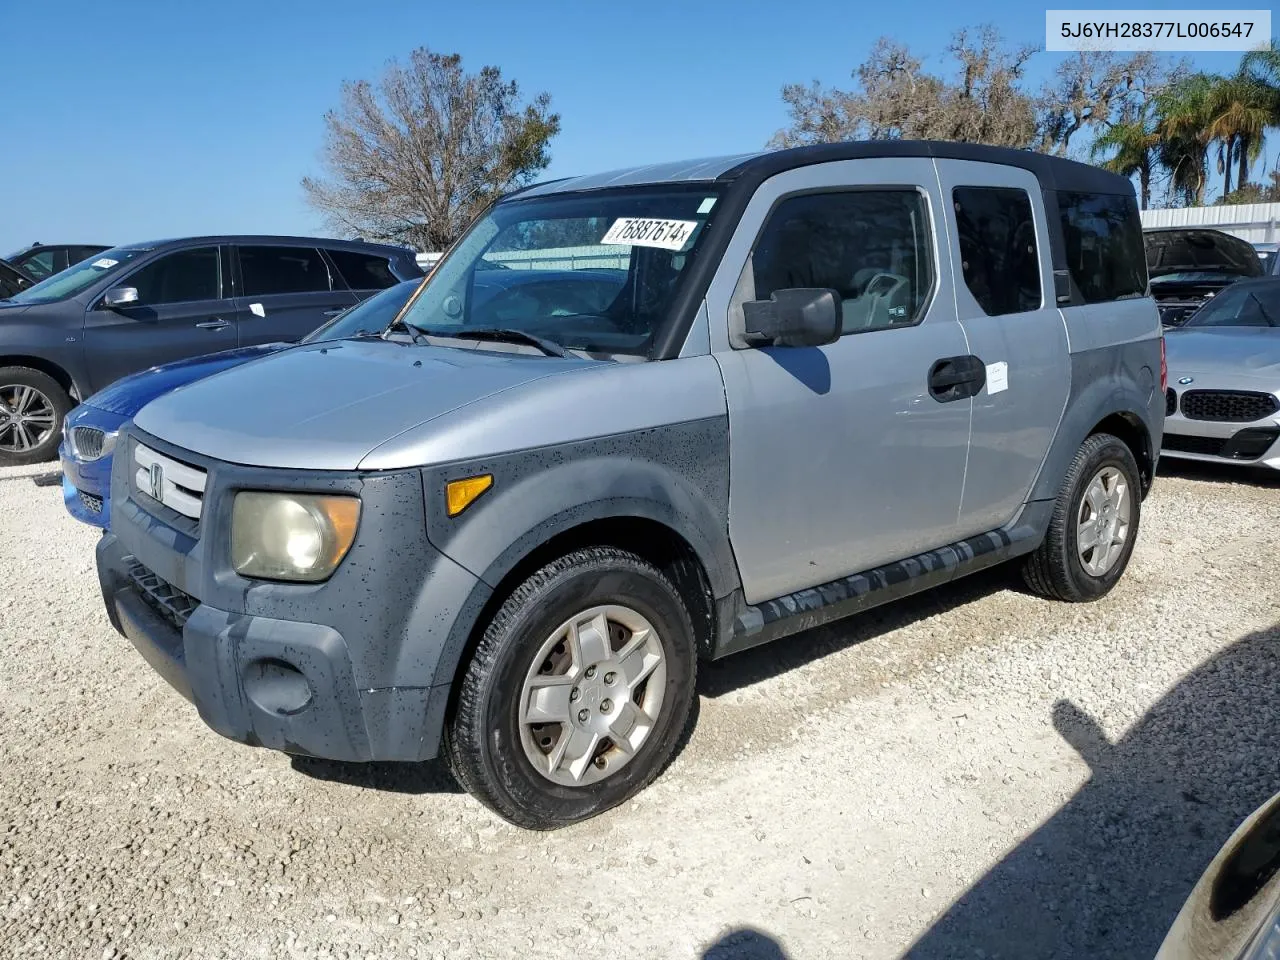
{"x":179,"y":277}
{"x":1103,"y":240}
{"x":870,"y":246}
{"x":998,"y":256}
{"x":362,"y":271}
{"x":273,"y":270}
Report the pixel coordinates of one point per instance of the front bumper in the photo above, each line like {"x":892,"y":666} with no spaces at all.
{"x":261,"y":681}
{"x":1251,"y":444}
{"x":349,"y":669}
{"x":85,"y":488}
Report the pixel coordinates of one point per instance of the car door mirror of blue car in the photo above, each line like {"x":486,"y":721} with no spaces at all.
{"x":119,"y":297}
{"x":795,"y":317}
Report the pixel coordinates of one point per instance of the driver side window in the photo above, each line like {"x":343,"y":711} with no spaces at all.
{"x":180,"y":277}
{"x":871,"y":246}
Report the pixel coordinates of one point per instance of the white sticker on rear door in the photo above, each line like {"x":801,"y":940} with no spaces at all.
{"x":106,"y":263}
{"x":997,"y":377}
{"x":257,"y":309}
{"x":650,"y":232}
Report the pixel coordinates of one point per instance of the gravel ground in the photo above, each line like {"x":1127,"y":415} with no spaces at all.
{"x":972,"y":773}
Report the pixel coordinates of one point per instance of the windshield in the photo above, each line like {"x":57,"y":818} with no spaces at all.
{"x":368,"y":316}
{"x":1268,"y":260}
{"x":80,"y":277}
{"x":594,"y":271}
{"x":1252,"y":305}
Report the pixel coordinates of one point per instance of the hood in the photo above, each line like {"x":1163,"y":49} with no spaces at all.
{"x":1198,"y":250}
{"x":326,"y":405}
{"x":130,"y":394}
{"x":1226,"y":352}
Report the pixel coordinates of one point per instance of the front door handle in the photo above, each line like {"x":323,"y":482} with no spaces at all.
{"x":217,"y":323}
{"x":955,"y":378}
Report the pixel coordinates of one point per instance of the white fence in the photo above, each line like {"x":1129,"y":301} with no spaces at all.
{"x":1255,"y":222}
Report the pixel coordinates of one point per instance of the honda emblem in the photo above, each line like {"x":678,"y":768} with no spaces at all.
{"x":156,"y":476}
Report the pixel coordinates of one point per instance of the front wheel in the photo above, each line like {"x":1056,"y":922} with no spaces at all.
{"x":32,"y":408}
{"x":579,"y":691}
{"x":1094,"y":524}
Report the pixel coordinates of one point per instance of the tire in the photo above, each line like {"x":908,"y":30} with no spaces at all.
{"x":1057,"y":569}
{"x":39,"y":391}
{"x":493,"y":752}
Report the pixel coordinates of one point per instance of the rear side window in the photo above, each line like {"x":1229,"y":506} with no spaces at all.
{"x":1103,"y":239}
{"x":872,"y":246}
{"x":998,"y":255}
{"x":179,"y":277}
{"x":270,"y":270}
{"x":363,"y":271}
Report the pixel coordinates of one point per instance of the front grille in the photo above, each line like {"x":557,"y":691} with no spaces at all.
{"x":87,"y":442}
{"x":1228,"y":406}
{"x":171,"y":483}
{"x":1244,"y":446}
{"x":1170,"y":402}
{"x":161,"y":596}
{"x":90,"y":502}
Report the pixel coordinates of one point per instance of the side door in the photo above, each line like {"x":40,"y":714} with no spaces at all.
{"x":842,"y":457}
{"x":1005,"y":302}
{"x":285,"y":292}
{"x":183,"y":310}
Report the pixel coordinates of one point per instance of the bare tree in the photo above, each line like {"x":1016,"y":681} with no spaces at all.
{"x":894,"y":97}
{"x":1095,"y":89}
{"x":416,"y":156}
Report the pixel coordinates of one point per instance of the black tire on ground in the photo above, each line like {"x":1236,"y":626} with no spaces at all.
{"x":12,"y":378}
{"x":483,"y":742}
{"x":1055,"y":570}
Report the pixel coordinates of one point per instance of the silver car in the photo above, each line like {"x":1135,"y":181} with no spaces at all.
{"x":1223,"y":400}
{"x":634,"y":420}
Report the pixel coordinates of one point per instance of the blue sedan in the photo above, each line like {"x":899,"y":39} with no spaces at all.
{"x":89,"y":431}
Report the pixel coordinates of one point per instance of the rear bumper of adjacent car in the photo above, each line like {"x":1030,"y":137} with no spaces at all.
{"x":1253,"y":442}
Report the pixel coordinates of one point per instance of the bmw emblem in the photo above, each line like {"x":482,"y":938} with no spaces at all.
{"x":1185,"y":380}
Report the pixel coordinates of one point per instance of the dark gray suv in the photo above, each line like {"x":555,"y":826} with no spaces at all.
{"x":136,"y":306}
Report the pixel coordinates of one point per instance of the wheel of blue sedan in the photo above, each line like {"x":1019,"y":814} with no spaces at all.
{"x":579,"y":691}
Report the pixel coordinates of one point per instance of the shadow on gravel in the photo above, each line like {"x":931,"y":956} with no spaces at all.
{"x":431,"y":776}
{"x":1217,"y":473}
{"x":719,"y":677}
{"x":1106,"y":876}
{"x":745,"y":944}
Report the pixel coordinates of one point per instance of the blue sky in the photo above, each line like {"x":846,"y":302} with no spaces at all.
{"x":137,"y":120}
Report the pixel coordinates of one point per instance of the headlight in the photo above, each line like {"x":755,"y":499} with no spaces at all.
{"x":291,"y":536}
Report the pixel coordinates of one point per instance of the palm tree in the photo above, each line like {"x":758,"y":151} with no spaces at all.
{"x":1135,"y":143}
{"x":1240,"y":108}
{"x":1184,"y":112}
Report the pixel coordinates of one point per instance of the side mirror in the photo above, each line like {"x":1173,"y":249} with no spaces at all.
{"x":119,"y":297}
{"x":799,"y":317}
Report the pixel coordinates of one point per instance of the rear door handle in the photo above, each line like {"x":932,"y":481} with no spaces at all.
{"x":955,"y":378}
{"x":217,"y":323}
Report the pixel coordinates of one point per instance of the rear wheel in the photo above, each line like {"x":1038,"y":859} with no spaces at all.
{"x":32,"y":407}
{"x":578,"y":692}
{"x":1094,"y":524}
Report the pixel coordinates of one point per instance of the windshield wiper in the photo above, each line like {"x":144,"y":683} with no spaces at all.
{"x":412,"y":329}
{"x":495,"y":334}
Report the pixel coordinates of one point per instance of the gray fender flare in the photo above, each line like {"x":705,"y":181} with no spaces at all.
{"x":522,"y":512}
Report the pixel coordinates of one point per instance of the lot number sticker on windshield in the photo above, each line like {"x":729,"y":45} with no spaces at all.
{"x":106,"y":263}
{"x":650,"y":232}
